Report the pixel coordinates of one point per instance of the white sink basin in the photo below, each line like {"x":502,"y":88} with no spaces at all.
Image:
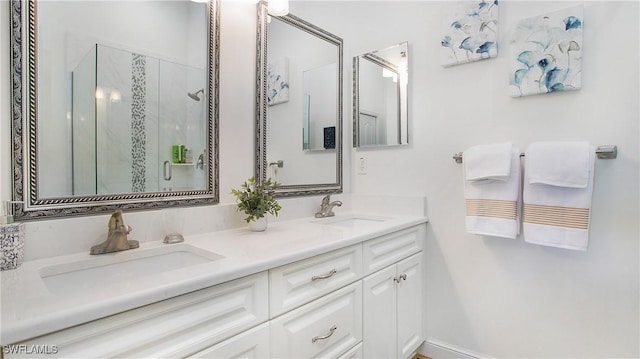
{"x":106,"y":269}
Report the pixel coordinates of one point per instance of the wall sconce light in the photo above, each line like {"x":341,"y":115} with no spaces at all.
{"x":278,"y":7}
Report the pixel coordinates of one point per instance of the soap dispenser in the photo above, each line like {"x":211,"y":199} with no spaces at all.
{"x":11,"y":238}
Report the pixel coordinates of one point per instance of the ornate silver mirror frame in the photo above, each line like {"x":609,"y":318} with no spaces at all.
{"x":24,"y":97}
{"x":261,"y":164}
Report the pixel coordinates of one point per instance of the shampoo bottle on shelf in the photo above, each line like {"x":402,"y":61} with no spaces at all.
{"x":176,"y":154}
{"x":188,"y":158}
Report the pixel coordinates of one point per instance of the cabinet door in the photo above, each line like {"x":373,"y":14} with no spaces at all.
{"x":410,"y":305}
{"x":326,"y":328}
{"x":379,"y":314}
{"x":254,"y":343}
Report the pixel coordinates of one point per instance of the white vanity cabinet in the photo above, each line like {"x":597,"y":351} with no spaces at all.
{"x":378,"y":316}
{"x":392,"y":294}
{"x":363,"y":300}
{"x":172,"y":328}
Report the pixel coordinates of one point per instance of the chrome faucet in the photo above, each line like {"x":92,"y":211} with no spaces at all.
{"x":116,"y":238}
{"x":326,"y":208}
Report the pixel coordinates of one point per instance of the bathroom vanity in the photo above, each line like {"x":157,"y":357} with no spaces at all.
{"x":348,"y":286}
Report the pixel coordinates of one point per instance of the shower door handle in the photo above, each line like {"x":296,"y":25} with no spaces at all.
{"x":167,"y":172}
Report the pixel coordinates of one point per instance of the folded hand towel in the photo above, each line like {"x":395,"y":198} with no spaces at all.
{"x":492,"y":206}
{"x":564,"y":164}
{"x":487,"y":162}
{"x":553,"y":215}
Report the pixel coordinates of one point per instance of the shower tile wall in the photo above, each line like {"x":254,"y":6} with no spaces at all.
{"x":181,"y":122}
{"x":138,"y":116}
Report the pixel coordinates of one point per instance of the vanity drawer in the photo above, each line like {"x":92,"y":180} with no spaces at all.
{"x":175,"y":327}
{"x":254,"y":343}
{"x":386,"y":250}
{"x":327,"y":327}
{"x":295,"y":284}
{"x":355,"y":353}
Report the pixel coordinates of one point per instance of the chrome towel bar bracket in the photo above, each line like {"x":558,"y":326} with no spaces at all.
{"x":604,"y":152}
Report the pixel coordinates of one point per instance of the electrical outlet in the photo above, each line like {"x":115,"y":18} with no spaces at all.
{"x":362,"y":166}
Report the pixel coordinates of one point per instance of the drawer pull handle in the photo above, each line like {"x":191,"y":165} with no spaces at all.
{"x":324,"y":276}
{"x":322,"y":337}
{"x":401,"y":277}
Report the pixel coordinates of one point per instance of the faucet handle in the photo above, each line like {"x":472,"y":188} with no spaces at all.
{"x":326,"y":200}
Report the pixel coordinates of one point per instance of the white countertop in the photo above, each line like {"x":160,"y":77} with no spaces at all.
{"x":29,"y":309}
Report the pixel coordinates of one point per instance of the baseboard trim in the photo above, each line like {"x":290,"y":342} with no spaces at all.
{"x":437,"y":349}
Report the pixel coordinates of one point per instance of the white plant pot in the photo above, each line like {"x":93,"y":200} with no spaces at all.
{"x":258,"y":225}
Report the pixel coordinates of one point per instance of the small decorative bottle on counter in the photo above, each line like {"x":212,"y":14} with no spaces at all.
{"x":11,"y":239}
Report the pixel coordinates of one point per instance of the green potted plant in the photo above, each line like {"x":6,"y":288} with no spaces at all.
{"x":256,"y":200}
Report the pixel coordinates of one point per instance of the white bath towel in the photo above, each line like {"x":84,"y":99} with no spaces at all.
{"x":492,"y":205}
{"x":491,"y":161}
{"x":554,"y":215}
{"x":564,"y":164}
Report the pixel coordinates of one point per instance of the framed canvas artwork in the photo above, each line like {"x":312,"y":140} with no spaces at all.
{"x":469,"y":32}
{"x":546,"y":53}
{"x":278,"y":81}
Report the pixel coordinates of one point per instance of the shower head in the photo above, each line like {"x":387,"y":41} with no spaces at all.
{"x":194,"y":96}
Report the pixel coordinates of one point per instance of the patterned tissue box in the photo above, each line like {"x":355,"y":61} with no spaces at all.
{"x":11,"y":245}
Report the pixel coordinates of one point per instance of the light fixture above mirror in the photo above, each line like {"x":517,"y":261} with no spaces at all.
{"x":278,"y":7}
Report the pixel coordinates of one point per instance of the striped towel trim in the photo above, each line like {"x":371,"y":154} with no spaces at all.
{"x":496,"y":208}
{"x":557,"y":216}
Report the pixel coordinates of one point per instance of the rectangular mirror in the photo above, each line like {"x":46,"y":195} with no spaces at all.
{"x":299,"y":113}
{"x":117,"y":105}
{"x":380,"y":109}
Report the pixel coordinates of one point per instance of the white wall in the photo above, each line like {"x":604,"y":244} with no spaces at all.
{"x":505,"y":298}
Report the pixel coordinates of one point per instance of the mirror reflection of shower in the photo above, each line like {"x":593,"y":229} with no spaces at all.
{"x":194,"y":96}
{"x":128,"y":112}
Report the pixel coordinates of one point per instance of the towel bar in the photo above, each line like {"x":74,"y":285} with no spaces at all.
{"x":604,"y":152}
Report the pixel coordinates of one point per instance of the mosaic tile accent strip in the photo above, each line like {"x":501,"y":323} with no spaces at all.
{"x":138,"y":117}
{"x":11,"y":245}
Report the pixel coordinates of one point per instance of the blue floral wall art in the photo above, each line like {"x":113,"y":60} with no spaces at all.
{"x":278,"y":81}
{"x":469,"y":32}
{"x":546,"y":53}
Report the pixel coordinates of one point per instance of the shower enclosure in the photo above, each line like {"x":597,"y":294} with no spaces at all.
{"x":128,"y":110}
